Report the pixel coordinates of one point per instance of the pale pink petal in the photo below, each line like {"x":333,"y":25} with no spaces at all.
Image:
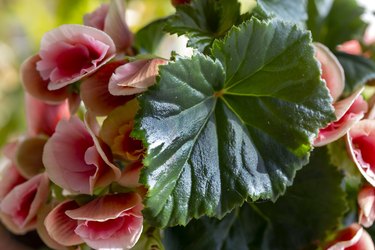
{"x":130,"y":176}
{"x":42,"y":230}
{"x":103,"y":149}
{"x":64,"y":156}
{"x":96,"y":18}
{"x":352,"y":237}
{"x":108,"y":207}
{"x":116,"y":27}
{"x":29,"y":155}
{"x":72,"y":51}
{"x":112,"y":221}
{"x":348,"y":112}
{"x":10,"y":177}
{"x":135,"y":77}
{"x":9,"y":150}
{"x":360,"y":142}
{"x":36,"y":86}
{"x":60,"y":227}
{"x":74,"y":102}
{"x":366,"y":203}
{"x":42,"y":118}
{"x":332,"y":71}
{"x":20,"y":207}
{"x":352,"y":47}
{"x":95,"y":93}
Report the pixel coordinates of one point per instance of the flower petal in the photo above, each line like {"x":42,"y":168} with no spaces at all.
{"x":348,"y":111}
{"x":130,"y":176}
{"x":352,"y":237}
{"x":135,"y":77}
{"x":64,"y":156}
{"x":36,"y":86}
{"x":42,"y":118}
{"x":332,"y":71}
{"x":60,"y":227}
{"x":71,"y":52}
{"x":20,"y":207}
{"x":95,"y":94}
{"x":360,"y":141}
{"x":366,"y":203}
{"x":116,"y":27}
{"x":10,"y":178}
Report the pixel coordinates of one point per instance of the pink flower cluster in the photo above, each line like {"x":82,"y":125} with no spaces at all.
{"x":356,"y":122}
{"x":71,"y":178}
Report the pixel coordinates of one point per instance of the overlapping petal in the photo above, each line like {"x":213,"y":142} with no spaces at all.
{"x":135,"y":77}
{"x":366,"y":203}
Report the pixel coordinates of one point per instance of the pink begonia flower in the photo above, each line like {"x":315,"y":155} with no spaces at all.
{"x":366,"y":203}
{"x":72,"y":51}
{"x":353,"y":237}
{"x":42,"y":117}
{"x":111,"y":19}
{"x":116,"y":130}
{"x":332,"y":71}
{"x":111,"y":221}
{"x":352,"y":47}
{"x":360,"y":141}
{"x":19,"y":208}
{"x":95,"y":93}
{"x":348,"y":112}
{"x":135,"y":77}
{"x":75,"y":161}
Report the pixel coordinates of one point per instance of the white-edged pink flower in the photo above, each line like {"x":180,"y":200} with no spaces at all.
{"x":75,"y":160}
{"x":366,"y":203}
{"x":111,"y":19}
{"x":71,"y":52}
{"x":111,"y":221}
{"x":135,"y":77}
{"x":332,"y":71}
{"x":95,"y":94}
{"x":19,"y":208}
{"x":348,"y":112}
{"x":360,"y":141}
{"x":353,"y":237}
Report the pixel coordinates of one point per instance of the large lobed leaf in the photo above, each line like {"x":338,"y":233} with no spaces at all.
{"x":289,"y":10}
{"x":301,"y":219}
{"x":223,"y":131}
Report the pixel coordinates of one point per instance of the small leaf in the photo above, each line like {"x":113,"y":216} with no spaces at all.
{"x":300,"y":219}
{"x":204,"y":20}
{"x":358,"y":70}
{"x":288,"y":10}
{"x":220,"y":132}
{"x":149,"y":37}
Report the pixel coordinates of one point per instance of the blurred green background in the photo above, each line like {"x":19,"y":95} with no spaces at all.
{"x":22,"y":25}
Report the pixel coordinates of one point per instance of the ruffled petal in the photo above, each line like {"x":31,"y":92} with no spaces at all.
{"x":352,"y":237}
{"x":72,"y":51}
{"x":366,"y":203}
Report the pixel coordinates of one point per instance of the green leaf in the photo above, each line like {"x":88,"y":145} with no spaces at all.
{"x":335,"y":23}
{"x":204,"y":20}
{"x":300,"y":219}
{"x":149,"y":37}
{"x":288,"y":10}
{"x":220,"y":132}
{"x":358,"y":70}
